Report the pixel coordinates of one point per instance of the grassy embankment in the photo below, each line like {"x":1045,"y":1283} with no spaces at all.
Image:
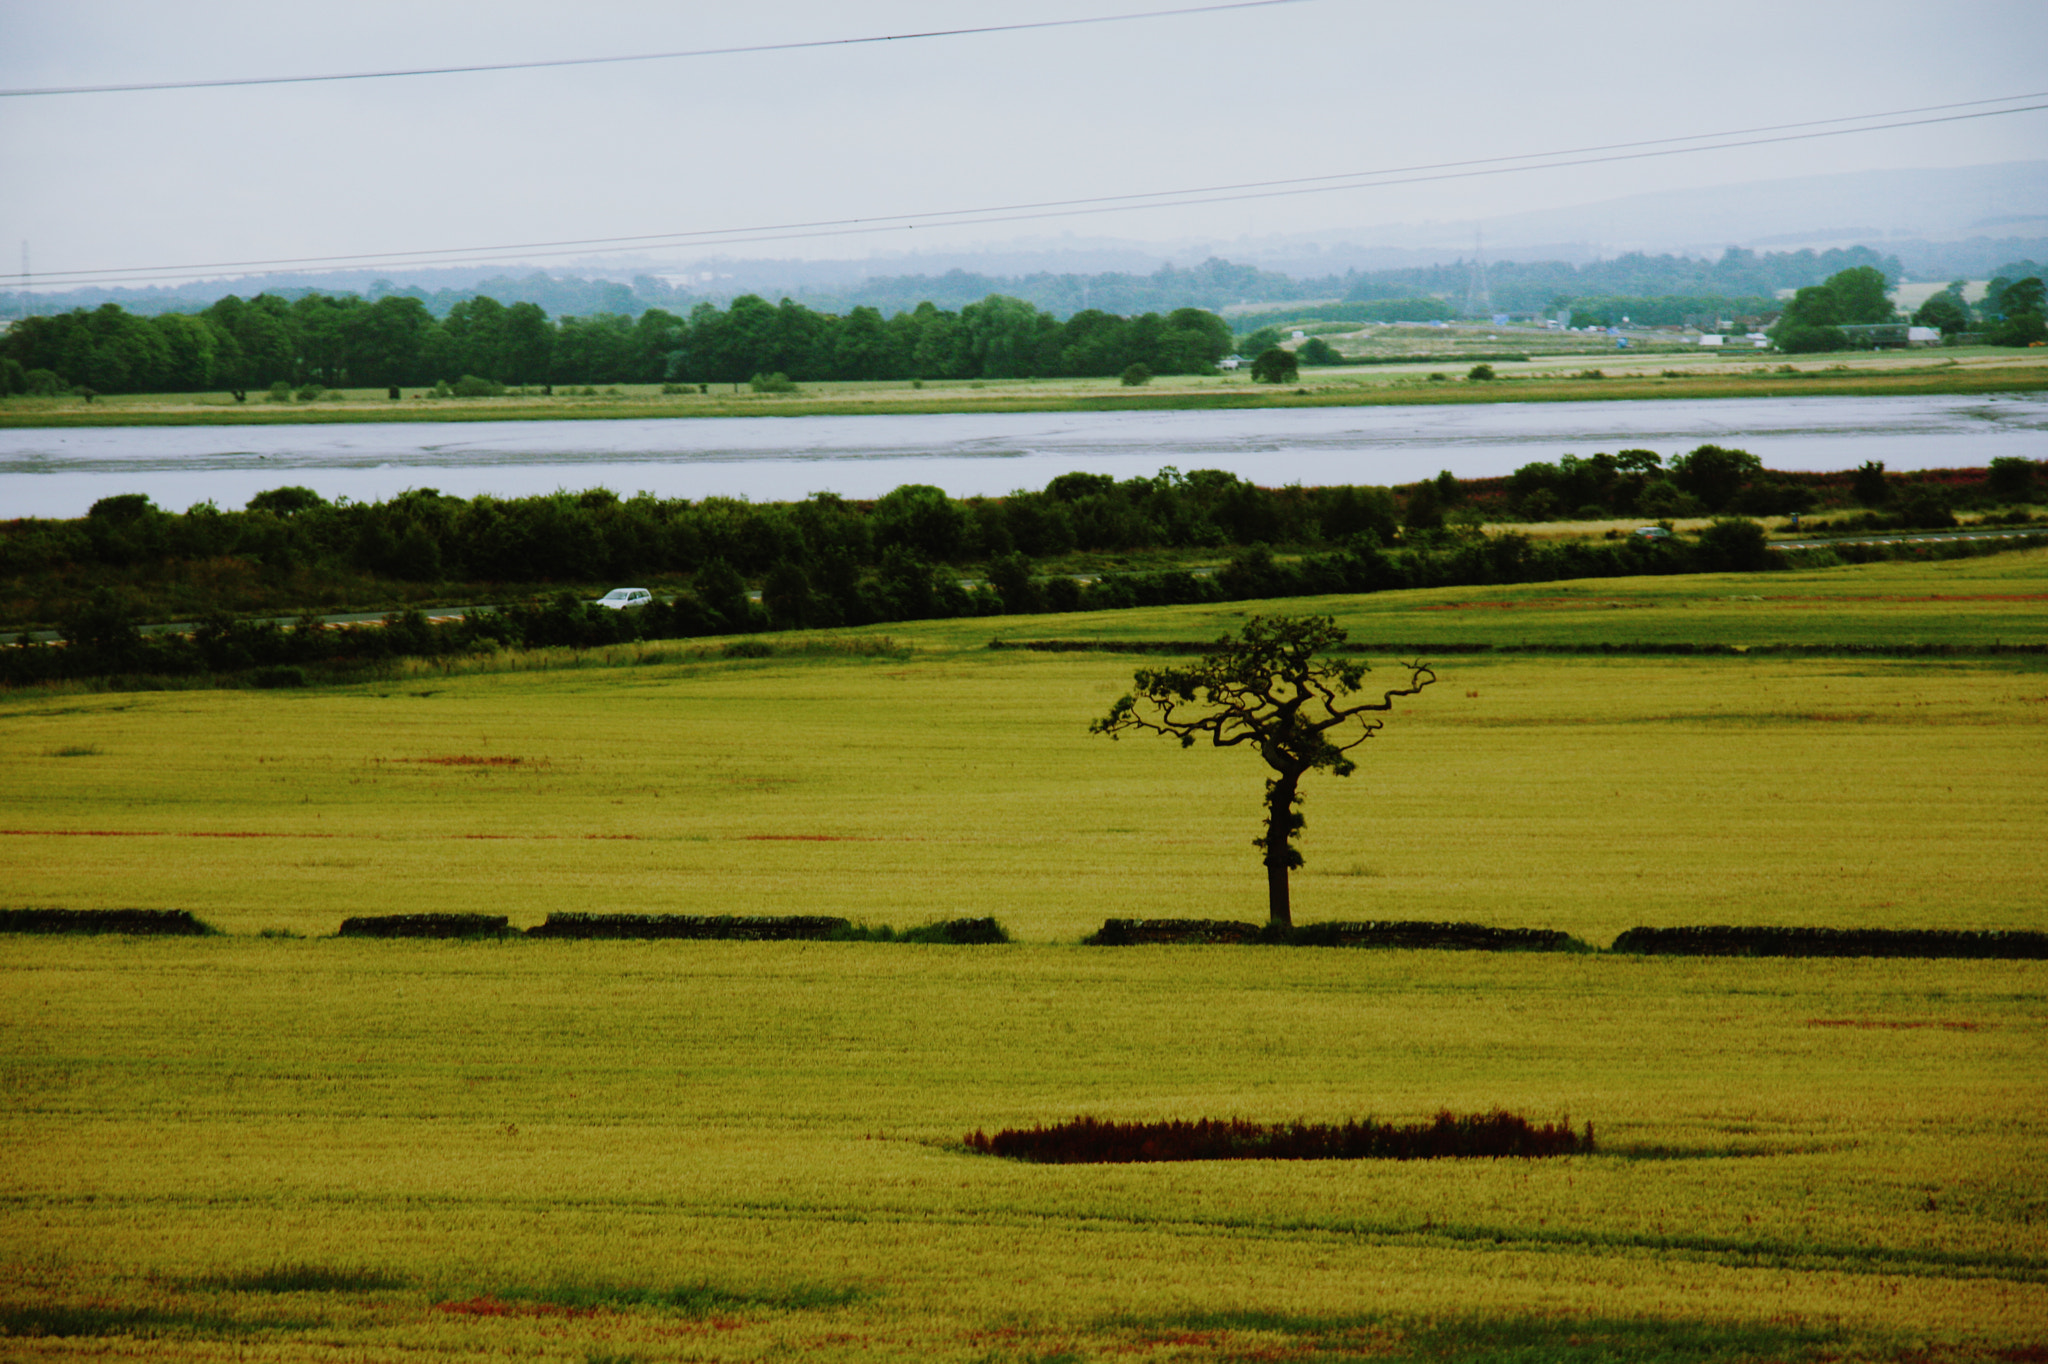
{"x":1542,"y":379}
{"x":1801,"y":1158}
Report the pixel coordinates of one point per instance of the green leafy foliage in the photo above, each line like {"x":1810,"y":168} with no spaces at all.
{"x":1316,"y":351}
{"x":138,"y":922}
{"x":1092,"y":1141}
{"x":1760,"y":941}
{"x":743,"y":928}
{"x":1276,"y":365}
{"x":425,"y":926}
{"x":334,"y":341}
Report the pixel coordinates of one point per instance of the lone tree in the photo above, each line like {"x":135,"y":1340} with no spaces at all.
{"x":1276,"y":365}
{"x":1266,"y":688}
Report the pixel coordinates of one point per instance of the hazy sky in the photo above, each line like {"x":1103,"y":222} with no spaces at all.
{"x":1316,"y":87}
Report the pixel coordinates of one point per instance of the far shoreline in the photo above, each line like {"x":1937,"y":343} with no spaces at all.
{"x":1829,"y":376}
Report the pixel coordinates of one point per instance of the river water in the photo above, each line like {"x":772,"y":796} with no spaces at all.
{"x":61,"y":472}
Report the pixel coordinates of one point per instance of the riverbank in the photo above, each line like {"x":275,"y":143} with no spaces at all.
{"x":1602,"y":378}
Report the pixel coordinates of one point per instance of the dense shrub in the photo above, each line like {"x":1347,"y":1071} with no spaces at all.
{"x":1416,"y":933}
{"x":1395,"y":933}
{"x":766,"y":928}
{"x":1729,"y":941}
{"x":426,"y":926}
{"x":1134,"y":932}
{"x":1090,"y":1141}
{"x":151,"y":922}
{"x":952,"y":932}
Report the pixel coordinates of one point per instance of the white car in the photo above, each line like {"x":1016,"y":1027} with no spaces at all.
{"x":619,"y":598}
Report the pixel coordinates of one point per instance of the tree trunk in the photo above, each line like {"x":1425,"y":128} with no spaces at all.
{"x":1281,"y":822}
{"x":1279,"y":913}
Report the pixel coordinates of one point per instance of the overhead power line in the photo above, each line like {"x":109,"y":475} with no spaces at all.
{"x":1065,"y":208}
{"x":478,"y":68}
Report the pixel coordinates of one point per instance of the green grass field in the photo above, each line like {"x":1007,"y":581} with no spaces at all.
{"x":296,"y":1148}
{"x":1979,"y":369}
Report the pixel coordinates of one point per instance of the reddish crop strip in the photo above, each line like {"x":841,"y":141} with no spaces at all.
{"x":1896,"y":1025}
{"x":1090,"y":1141}
{"x":466,"y":760}
{"x":1532,"y":604}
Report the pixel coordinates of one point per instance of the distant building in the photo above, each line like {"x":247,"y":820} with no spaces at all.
{"x":1877,"y":335}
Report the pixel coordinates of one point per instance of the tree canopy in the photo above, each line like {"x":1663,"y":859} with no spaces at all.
{"x":1267,"y":688}
{"x":340,"y":341}
{"x":1276,"y":365}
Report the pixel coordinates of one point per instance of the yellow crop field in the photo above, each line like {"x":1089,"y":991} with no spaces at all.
{"x":1837,"y":1154}
{"x":305,"y":1147}
{"x":1583,"y":795}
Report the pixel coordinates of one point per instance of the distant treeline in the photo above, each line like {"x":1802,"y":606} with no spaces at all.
{"x":1738,"y":277}
{"x":1545,"y":286}
{"x":345,"y":341}
{"x":423,"y":536}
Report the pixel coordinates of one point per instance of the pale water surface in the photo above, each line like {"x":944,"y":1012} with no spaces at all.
{"x":62,"y":472}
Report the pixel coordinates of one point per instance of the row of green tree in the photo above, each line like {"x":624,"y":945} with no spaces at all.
{"x":102,"y":638}
{"x":2010,"y":311}
{"x":595,"y":535}
{"x":422,"y":536}
{"x":345,"y":341}
{"x":1814,"y":317}
{"x":1531,"y":286}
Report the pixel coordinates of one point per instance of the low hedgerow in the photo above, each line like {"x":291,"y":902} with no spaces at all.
{"x":954,"y":932}
{"x":1417,"y":933}
{"x":1723,"y":940}
{"x":145,"y":922}
{"x":765,"y":928}
{"x":426,"y":926}
{"x":1091,"y":1141}
{"x":1145,"y":932}
{"x":1397,"y":933}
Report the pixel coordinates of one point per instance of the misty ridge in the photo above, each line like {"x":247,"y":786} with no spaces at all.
{"x":1741,"y":242}
{"x":1746,"y":280}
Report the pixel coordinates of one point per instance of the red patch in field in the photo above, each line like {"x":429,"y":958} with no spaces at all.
{"x":466,"y":760}
{"x":1896,"y":1025}
{"x":1534,"y":603}
{"x":626,"y":838}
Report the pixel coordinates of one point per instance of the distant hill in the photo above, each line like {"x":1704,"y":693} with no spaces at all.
{"x":1929,"y":224}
